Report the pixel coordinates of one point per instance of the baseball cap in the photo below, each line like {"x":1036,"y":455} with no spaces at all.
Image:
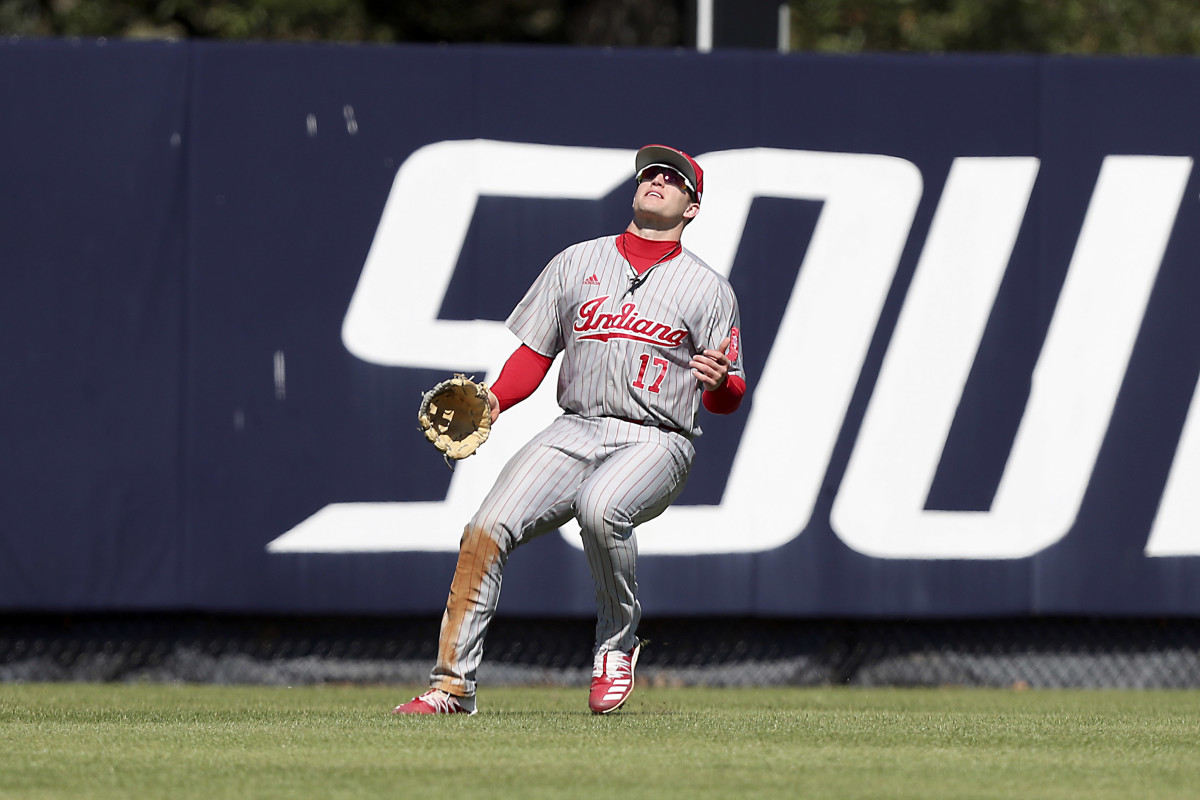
{"x":660,"y":155}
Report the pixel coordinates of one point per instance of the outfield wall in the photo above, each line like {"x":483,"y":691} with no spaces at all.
{"x":228,"y":271}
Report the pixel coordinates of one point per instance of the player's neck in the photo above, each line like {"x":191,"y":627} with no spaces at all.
{"x":647,"y":230}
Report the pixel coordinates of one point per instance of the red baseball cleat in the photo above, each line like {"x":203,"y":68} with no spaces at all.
{"x":435,"y":701}
{"x":612,"y":679}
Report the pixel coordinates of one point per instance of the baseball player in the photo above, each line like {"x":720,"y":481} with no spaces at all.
{"x":647,"y":332}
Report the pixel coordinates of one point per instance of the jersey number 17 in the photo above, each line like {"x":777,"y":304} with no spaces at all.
{"x":659,"y":363}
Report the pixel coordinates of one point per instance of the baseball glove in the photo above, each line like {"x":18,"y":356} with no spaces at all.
{"x":456,"y":417}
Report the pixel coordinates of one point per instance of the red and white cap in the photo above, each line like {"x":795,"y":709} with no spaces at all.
{"x":659,"y":155}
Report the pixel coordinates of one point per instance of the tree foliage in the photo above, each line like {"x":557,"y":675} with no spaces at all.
{"x":597,"y":22}
{"x":1115,"y":27}
{"x":1121,"y":27}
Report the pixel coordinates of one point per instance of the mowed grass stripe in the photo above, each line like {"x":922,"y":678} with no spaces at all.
{"x":85,"y":740}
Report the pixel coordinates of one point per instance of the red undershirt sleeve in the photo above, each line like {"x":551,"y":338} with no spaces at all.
{"x":726,"y":399}
{"x":522,"y":373}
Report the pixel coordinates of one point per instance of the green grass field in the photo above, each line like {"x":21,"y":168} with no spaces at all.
{"x":141,"y":741}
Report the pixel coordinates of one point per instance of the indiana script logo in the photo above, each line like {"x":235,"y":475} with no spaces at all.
{"x":627,"y":324}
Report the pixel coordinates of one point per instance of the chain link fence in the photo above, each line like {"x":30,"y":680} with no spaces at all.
{"x":1035,"y":652}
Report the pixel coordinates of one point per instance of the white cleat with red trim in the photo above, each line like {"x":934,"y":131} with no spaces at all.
{"x":435,"y":701}
{"x":612,"y":679}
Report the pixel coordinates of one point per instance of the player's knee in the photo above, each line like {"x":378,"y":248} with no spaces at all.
{"x":489,"y":533}
{"x":601,"y":518}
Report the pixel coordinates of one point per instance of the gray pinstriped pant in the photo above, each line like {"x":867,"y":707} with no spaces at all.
{"x":609,"y":474}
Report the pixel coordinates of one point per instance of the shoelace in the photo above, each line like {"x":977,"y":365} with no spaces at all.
{"x":611,"y":664}
{"x":440,"y":701}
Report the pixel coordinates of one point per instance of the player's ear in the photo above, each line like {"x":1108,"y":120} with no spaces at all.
{"x":691,"y":211}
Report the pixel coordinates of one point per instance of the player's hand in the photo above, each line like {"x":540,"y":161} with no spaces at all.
{"x":494,"y":405}
{"x":712,"y":366}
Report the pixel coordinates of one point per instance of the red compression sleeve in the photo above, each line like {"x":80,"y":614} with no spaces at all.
{"x":726,"y":399}
{"x":522,"y":373}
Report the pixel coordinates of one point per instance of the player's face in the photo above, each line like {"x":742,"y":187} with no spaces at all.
{"x":663,"y":195}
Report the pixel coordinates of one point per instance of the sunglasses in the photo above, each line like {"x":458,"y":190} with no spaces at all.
{"x":669,"y":176}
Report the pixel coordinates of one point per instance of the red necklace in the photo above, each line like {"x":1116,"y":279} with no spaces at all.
{"x":643,"y":253}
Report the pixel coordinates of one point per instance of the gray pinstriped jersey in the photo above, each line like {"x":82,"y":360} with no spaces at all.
{"x":626,"y":353}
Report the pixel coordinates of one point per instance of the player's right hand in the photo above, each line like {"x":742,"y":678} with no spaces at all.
{"x":494,"y":405}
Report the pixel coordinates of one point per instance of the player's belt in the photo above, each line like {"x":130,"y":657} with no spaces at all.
{"x":649,"y":423}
